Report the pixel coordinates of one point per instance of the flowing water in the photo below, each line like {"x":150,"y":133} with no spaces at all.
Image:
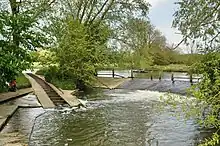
{"x":120,"y":117}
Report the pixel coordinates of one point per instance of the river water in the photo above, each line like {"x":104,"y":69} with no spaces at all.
{"x":120,"y":117}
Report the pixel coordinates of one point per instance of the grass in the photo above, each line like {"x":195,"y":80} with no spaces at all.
{"x":64,"y":84}
{"x":22,"y":82}
{"x":67,"y":84}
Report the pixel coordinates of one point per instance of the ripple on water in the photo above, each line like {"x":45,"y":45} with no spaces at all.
{"x":125,"y":118}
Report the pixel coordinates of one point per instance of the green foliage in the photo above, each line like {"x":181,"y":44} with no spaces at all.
{"x":19,"y":33}
{"x":41,"y":71}
{"x":212,"y":141}
{"x":46,"y":58}
{"x":81,"y":50}
{"x":51,"y":72}
{"x":144,"y":46}
{"x":67,"y":84}
{"x":203,"y":102}
{"x":52,"y":75}
{"x":199,"y":23}
{"x":22,"y":82}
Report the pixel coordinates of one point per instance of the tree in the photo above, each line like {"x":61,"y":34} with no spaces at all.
{"x":19,"y":33}
{"x":82,"y":48}
{"x":79,"y":54}
{"x":199,"y":22}
{"x":145,"y":42}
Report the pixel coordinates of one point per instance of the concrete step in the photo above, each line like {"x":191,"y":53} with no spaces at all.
{"x":52,"y":94}
{"x":58,"y":101}
{"x":55,"y":97}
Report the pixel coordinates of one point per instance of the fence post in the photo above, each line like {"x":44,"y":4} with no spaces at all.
{"x":132,"y":75}
{"x":172,"y":78}
{"x":151,"y":76}
{"x":113,"y":73}
{"x":160,"y":76}
{"x":191,"y":78}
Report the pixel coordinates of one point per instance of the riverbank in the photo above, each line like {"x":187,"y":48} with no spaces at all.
{"x":22,"y":83}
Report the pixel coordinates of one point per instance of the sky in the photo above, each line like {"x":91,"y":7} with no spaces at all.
{"x":161,"y":16}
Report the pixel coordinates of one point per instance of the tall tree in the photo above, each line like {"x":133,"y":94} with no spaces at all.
{"x":19,"y":33}
{"x":97,"y":20}
{"x":143,"y":40}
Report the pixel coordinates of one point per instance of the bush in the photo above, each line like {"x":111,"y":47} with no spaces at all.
{"x":51,"y":73}
{"x":58,"y":78}
{"x":42,"y":71}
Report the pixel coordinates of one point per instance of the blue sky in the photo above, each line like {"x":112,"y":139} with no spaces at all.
{"x":161,"y":15}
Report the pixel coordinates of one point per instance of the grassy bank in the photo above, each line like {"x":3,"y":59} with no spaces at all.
{"x":64,"y":84}
{"x":22,"y":82}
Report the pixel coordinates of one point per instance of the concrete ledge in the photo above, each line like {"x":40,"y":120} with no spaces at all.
{"x":109,"y":83}
{"x":40,"y":93}
{"x":6,"y":111}
{"x":11,"y":95}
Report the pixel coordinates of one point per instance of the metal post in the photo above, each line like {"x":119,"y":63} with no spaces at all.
{"x":159,"y":76}
{"x":113,"y":73}
{"x":190,"y":78}
{"x":172,"y":78}
{"x":132,"y":75}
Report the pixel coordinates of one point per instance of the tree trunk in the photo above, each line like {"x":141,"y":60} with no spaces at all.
{"x":15,"y":33}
